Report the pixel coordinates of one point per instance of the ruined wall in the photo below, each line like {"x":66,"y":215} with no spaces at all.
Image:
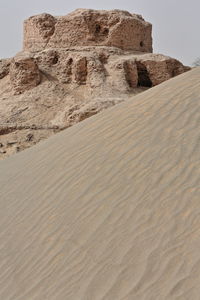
{"x":85,"y":27}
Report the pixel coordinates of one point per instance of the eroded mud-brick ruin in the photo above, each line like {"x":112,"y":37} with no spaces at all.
{"x":72,"y":67}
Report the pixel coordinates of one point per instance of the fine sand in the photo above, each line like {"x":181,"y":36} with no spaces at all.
{"x":108,"y":209}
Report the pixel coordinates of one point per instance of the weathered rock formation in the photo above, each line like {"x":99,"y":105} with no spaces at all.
{"x":4,"y":67}
{"x":73,"y":67}
{"x":24,"y":74}
{"x":85,"y":27}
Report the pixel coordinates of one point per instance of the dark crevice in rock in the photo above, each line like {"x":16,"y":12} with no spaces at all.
{"x":97,"y":28}
{"x":143,"y":76}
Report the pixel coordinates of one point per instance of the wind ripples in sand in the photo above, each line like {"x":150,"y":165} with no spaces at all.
{"x":108,"y":209}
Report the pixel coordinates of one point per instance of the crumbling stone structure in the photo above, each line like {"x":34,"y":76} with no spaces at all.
{"x":85,"y":27}
{"x":73,"y":67}
{"x":109,"y":49}
{"x":24,"y":74}
{"x":106,"y":50}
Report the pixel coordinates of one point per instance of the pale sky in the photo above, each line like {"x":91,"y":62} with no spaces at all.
{"x":176,"y":23}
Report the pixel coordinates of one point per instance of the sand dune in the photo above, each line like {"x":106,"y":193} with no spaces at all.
{"x":110,"y":208}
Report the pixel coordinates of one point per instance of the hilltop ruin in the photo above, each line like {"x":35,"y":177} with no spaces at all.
{"x":72,"y":67}
{"x":85,"y":27}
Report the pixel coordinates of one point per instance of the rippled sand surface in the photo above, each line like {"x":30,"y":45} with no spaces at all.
{"x":108,"y":209}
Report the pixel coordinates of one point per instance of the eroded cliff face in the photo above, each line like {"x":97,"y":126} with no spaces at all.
{"x":73,"y":67}
{"x":85,"y":27}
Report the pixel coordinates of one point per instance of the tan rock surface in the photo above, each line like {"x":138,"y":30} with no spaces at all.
{"x":86,"y":27}
{"x":4,"y":67}
{"x":24,"y":74}
{"x":159,"y":68}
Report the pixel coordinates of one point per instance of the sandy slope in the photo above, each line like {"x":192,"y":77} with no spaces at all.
{"x":110,"y":208}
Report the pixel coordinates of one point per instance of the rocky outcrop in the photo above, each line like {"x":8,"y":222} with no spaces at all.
{"x":62,"y":48}
{"x":93,"y":68}
{"x":73,"y":67}
{"x":4,"y":67}
{"x":86,"y":27}
{"x":154,"y":69}
{"x":24,"y":74}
